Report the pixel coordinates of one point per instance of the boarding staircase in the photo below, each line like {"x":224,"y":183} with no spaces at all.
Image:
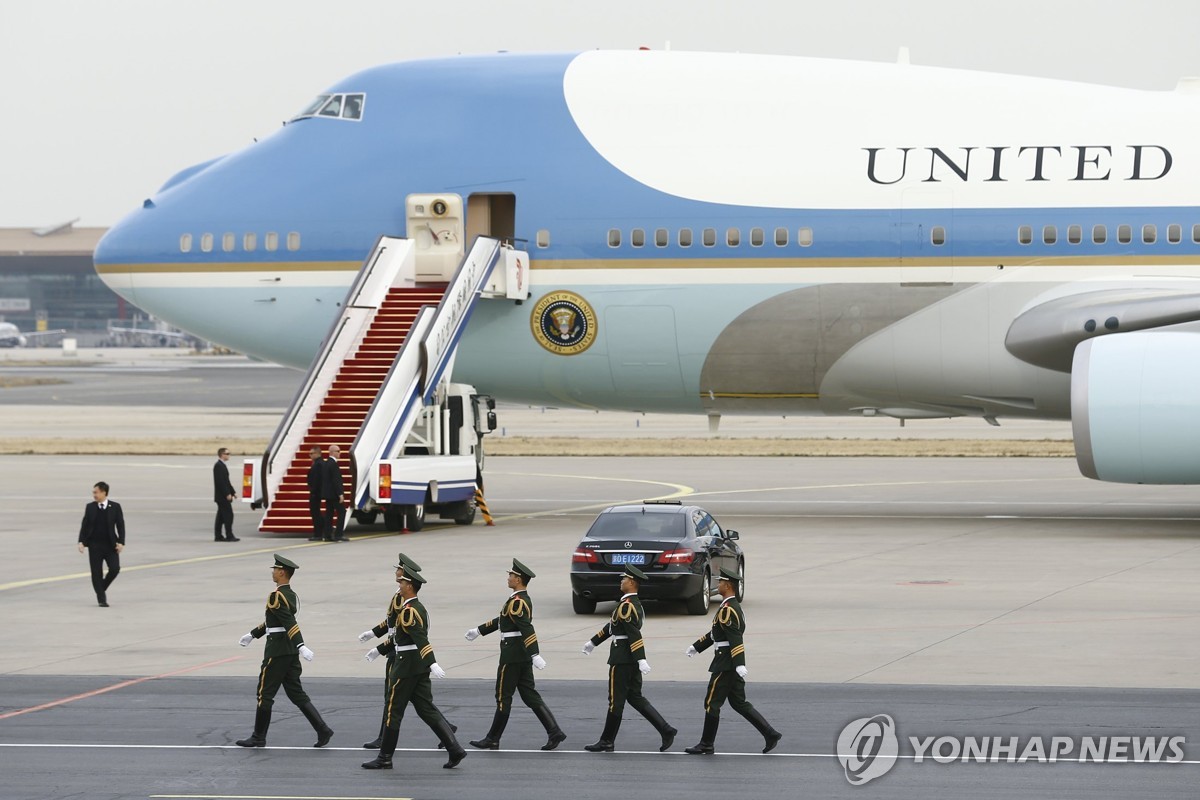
{"x":383,"y":361}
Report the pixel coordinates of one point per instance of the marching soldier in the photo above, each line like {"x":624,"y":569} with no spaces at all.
{"x":387,"y":628}
{"x":627,"y":665}
{"x":518,"y":656}
{"x":408,"y":678}
{"x":728,"y":670}
{"x":281,"y":658}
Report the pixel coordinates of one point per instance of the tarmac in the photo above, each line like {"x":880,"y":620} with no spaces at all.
{"x":962,"y":597}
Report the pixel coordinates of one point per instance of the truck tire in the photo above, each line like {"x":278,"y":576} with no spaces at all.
{"x":414,"y":517}
{"x":466,"y":515}
{"x":365,"y":517}
{"x":393,"y":520}
{"x":698,"y":603}
{"x":582,"y":605}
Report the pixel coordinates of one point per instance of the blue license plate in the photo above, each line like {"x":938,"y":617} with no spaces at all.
{"x":628,"y":558}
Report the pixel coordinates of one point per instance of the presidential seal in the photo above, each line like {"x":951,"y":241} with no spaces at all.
{"x":563,"y":323}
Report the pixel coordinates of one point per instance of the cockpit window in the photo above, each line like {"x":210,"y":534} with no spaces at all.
{"x":336,"y":106}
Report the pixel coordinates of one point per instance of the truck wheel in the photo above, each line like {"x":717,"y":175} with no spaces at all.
{"x":414,"y":517}
{"x":365,"y":517}
{"x":467,"y":515}
{"x":393,"y":520}
{"x":582,"y":605}
{"x":698,"y":603}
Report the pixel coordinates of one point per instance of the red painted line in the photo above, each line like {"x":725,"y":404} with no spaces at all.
{"x":114,"y":687}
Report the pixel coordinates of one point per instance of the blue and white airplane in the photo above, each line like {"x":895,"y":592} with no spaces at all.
{"x":733,"y":234}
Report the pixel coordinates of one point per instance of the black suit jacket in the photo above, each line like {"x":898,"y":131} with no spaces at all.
{"x":222,"y":488}
{"x":114,"y":522}
{"x":331,"y":479}
{"x":314,"y":478}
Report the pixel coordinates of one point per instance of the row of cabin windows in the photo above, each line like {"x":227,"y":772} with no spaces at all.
{"x":229,"y":242}
{"x":708,"y":237}
{"x":1100,"y":234}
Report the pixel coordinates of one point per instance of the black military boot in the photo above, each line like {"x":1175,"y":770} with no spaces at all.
{"x":453,"y":728}
{"x":262,"y":721}
{"x":554,"y":734}
{"x":707,"y":739}
{"x":386,"y":749}
{"x":492,"y":740}
{"x":608,"y":738}
{"x":324,"y":732}
{"x":454,"y":750}
{"x":661,"y":725}
{"x":771,"y":736}
{"x":375,"y":745}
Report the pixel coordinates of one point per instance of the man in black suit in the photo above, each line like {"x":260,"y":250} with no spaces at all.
{"x":331,"y":493}
{"x":314,"y":493}
{"x":223,"y":494}
{"x":103,"y":534}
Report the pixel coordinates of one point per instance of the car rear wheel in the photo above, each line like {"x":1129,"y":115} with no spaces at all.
{"x":582,"y":605}
{"x":741,"y":584}
{"x":698,"y":603}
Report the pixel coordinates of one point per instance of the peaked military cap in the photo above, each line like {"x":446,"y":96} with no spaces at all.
{"x":403,"y":561}
{"x":635,"y":573}
{"x":729,"y":575}
{"x":287,"y":563}
{"x":522,"y":571}
{"x":412,"y":576}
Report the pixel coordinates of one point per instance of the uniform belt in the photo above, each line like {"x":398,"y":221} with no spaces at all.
{"x":721,"y":644}
{"x":400,"y":647}
{"x":391,"y":631}
{"x":276,"y":630}
{"x":615,"y":638}
{"x":509,"y":634}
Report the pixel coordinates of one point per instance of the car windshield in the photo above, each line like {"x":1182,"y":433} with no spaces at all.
{"x":635,"y":525}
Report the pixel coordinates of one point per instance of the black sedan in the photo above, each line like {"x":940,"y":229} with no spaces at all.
{"x":680,"y":548}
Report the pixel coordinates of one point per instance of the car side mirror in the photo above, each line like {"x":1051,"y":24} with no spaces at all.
{"x":731,"y":534}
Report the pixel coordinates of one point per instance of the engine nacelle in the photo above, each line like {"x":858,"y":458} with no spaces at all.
{"x":1135,"y":407}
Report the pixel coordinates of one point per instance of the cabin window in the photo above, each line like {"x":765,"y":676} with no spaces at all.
{"x":685,"y":237}
{"x":804,"y":237}
{"x":781,"y":237}
{"x":1050,"y":234}
{"x":709,"y":237}
{"x":313,"y":106}
{"x":333,"y":108}
{"x":1174,"y":233}
{"x":733,"y":237}
{"x":293,"y":241}
{"x":937,"y":235}
{"x":227,"y":242}
{"x":757,"y":237}
{"x":543,"y":238}
{"x":185,"y":243}
{"x":1025,"y":234}
{"x":1124,"y":234}
{"x":1099,"y":234}
{"x":206,"y":242}
{"x":1149,"y":234}
{"x":637,"y":237}
{"x":1074,"y":234}
{"x":1196,"y":234}
{"x":614,"y":237}
{"x":661,"y":237}
{"x":272,"y":242}
{"x":250,"y":242}
{"x":353,"y":107}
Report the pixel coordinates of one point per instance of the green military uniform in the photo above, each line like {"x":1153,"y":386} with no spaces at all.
{"x":727,"y":668}
{"x":408,"y":678}
{"x":385,"y":629}
{"x":519,"y":653}
{"x":626,"y":658}
{"x":281,"y":661}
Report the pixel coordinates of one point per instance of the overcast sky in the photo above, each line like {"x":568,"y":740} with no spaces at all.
{"x":105,"y":99}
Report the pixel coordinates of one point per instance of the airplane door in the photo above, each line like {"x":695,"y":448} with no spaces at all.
{"x":435,"y":225}
{"x":925,"y":248}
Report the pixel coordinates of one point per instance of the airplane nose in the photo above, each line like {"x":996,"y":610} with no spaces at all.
{"x":119,"y":252}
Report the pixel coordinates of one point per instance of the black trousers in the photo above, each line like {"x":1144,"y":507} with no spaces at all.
{"x":332,"y":527}
{"x":224,"y":518}
{"x":280,"y":671}
{"x":99,"y":554}
{"x":318,"y":519}
{"x":625,"y":684}
{"x":414,"y":689}
{"x":511,"y":678}
{"x":724,"y":686}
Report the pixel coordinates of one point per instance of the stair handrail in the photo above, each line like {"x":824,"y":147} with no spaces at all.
{"x":362,"y":299}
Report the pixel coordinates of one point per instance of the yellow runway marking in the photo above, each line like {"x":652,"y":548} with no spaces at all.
{"x":274,"y":797}
{"x":870,"y":485}
{"x":680,"y":491}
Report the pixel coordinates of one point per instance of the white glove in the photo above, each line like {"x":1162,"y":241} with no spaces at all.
{"x":539,"y":662}
{"x":246,"y":640}
{"x":366,"y":636}
{"x":372,"y":654}
{"x":742,"y":672}
{"x":306,"y":653}
{"x":643,"y":666}
{"x":588,"y":647}
{"x":472,"y":634}
{"x":691,"y":651}
{"x":437,"y":671}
